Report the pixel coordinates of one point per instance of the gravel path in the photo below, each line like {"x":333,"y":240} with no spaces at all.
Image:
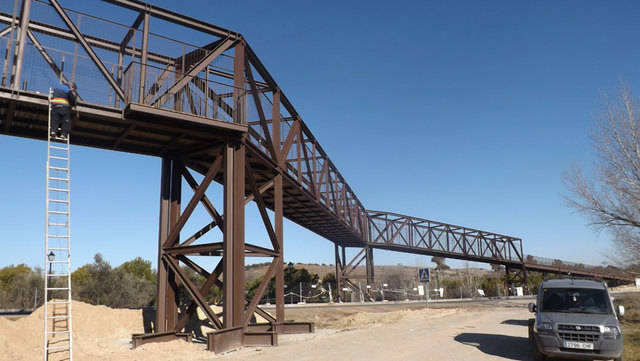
{"x":471,"y":334}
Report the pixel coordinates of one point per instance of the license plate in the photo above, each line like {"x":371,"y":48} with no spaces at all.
{"x":579,"y":345}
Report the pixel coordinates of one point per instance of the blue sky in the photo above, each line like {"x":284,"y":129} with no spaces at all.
{"x":467,"y":113}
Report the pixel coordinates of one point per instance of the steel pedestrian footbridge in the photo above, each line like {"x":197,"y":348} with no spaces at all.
{"x":205,"y":103}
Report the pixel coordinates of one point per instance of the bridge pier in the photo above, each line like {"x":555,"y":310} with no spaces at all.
{"x":515,"y":276}
{"x":344,"y":270}
{"x":370,"y":271}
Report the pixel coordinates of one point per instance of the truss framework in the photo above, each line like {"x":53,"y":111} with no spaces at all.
{"x":415,"y":235}
{"x":214,"y":109}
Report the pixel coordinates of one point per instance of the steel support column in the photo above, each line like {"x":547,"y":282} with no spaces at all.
{"x":339,"y":267}
{"x":507,"y":280}
{"x":370,"y":270}
{"x":170,"y":195}
{"x":163,"y":232}
{"x":143,"y":57}
{"x":174,"y":214}
{"x":278,"y":209}
{"x":22,"y":38}
{"x":233,"y":290}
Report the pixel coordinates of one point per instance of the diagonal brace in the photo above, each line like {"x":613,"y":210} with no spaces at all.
{"x":193,"y":292}
{"x":80,"y":38}
{"x":175,"y":229}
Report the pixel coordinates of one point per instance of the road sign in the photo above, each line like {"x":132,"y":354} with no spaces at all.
{"x":423,"y":275}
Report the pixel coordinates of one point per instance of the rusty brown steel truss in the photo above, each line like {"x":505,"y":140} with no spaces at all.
{"x":211,"y":112}
{"x":402,"y":233}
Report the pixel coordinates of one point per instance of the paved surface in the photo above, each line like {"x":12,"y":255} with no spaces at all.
{"x":498,"y":333}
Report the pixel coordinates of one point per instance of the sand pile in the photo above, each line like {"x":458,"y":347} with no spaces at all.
{"x":99,"y":333}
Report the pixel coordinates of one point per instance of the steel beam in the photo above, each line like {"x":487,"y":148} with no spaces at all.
{"x":370,"y":270}
{"x":144,"y":57}
{"x":80,"y":38}
{"x":47,"y":58}
{"x":233,"y":232}
{"x":339,"y":268}
{"x":165,"y":192}
{"x":186,"y":78}
{"x":175,"y":18}
{"x":22,"y":38}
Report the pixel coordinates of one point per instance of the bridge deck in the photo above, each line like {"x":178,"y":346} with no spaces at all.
{"x":157,"y":132}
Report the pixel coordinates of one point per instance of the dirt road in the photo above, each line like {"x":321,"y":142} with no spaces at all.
{"x":471,"y":334}
{"x":490,"y":330}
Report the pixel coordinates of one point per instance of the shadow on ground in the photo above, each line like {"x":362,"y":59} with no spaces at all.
{"x":516,"y":322}
{"x":508,"y":347}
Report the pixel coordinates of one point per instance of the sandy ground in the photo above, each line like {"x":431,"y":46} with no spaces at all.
{"x":475,"y":332}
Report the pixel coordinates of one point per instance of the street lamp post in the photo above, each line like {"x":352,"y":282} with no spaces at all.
{"x":51,"y":257}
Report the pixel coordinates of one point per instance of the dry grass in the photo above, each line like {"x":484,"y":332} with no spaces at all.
{"x":631,"y":325}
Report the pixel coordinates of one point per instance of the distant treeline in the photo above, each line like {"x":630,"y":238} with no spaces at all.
{"x":133,"y":285}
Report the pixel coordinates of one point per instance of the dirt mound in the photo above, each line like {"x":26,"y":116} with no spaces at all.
{"x":96,"y":331}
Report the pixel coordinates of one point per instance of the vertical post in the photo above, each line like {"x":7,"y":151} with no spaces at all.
{"x":234,"y":163}
{"x":238,"y":83}
{"x":143,"y":58}
{"x":174,"y":214}
{"x":206,"y":91}
{"x":234,"y":158}
{"x":507,"y":281}
{"x":338,"y":273}
{"x":370,"y":269}
{"x":75,"y":55}
{"x":22,"y":38}
{"x":5,"y":66}
{"x":278,"y":208}
{"x":165,"y":190}
{"x":119,"y":80}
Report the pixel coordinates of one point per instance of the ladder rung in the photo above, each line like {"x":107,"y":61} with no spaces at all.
{"x":58,"y":201}
{"x":57,"y":262}
{"x":58,"y":348}
{"x":56,"y":147}
{"x":57,"y":212}
{"x":57,"y":274}
{"x":57,"y":289}
{"x":57,"y":317}
{"x":52,"y":236}
{"x":56,"y":157}
{"x":58,"y":224}
{"x":58,"y":303}
{"x":59,"y":168}
{"x":59,"y":190}
{"x":59,"y":179}
{"x":58,"y":248}
{"x":56,"y":332}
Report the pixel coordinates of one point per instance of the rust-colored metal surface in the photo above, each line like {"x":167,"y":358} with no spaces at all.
{"x":211,"y":108}
{"x":225,"y":340}
{"x":139,"y":339}
{"x":402,"y":233}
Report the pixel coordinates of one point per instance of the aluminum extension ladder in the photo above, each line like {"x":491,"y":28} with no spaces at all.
{"x":58,"y":336}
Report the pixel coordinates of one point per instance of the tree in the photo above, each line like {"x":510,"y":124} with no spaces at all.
{"x":132,"y":284}
{"x":140,"y":268}
{"x":439,"y":261}
{"x":19,"y":287}
{"x":611,"y":196}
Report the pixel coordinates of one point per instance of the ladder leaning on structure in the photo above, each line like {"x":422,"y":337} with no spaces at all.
{"x":57,"y":259}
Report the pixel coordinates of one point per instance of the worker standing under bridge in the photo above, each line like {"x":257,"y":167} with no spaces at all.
{"x":62,"y":100}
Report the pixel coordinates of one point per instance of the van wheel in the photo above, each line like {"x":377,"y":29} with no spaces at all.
{"x":537,"y":355}
{"x":530,"y":327}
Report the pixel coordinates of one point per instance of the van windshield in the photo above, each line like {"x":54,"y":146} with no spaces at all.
{"x":575,"y":300}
